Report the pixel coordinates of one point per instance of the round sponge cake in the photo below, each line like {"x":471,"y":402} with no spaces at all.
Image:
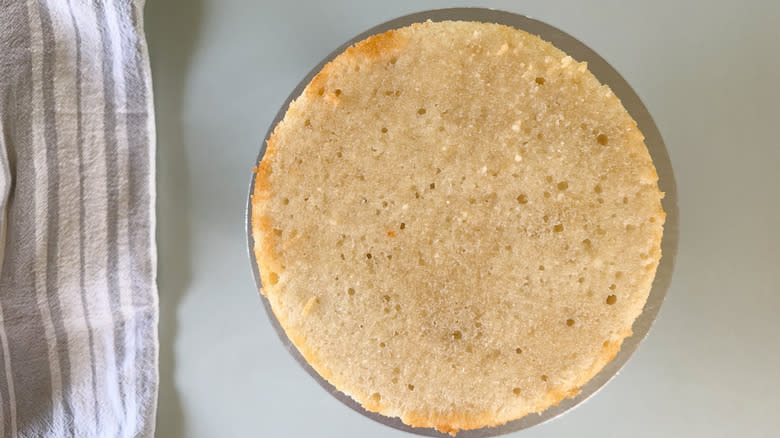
{"x":457,"y":224}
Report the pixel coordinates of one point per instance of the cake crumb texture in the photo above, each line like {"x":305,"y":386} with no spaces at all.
{"x":457,"y":224}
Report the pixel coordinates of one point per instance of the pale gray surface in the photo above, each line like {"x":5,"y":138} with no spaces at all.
{"x":707,"y":71}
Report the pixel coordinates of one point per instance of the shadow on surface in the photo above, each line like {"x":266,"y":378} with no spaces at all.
{"x":172,"y":28}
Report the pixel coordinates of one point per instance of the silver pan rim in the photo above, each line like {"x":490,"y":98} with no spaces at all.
{"x":606,"y":74}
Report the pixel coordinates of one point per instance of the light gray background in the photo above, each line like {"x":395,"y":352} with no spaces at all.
{"x":709,"y":73}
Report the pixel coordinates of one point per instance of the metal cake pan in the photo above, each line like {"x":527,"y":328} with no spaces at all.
{"x":606,"y":74}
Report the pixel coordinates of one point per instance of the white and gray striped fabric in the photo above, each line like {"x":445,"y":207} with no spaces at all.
{"x":78,"y":300}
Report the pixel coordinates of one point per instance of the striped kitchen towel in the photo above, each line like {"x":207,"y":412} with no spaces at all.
{"x":78,"y":300}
